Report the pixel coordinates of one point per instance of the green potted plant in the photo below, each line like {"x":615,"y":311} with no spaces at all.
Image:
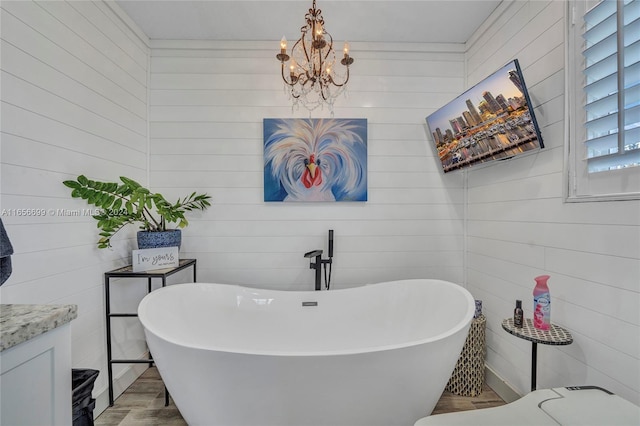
{"x":121,"y":203}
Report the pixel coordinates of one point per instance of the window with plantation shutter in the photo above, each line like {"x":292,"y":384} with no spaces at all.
{"x":604,"y":99}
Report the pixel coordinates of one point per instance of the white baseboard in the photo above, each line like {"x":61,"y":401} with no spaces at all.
{"x":499,"y":386}
{"x":120,"y":384}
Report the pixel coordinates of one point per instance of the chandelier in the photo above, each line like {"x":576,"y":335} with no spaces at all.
{"x":312,"y":79}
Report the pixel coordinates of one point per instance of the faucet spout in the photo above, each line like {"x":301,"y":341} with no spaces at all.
{"x":313,"y":253}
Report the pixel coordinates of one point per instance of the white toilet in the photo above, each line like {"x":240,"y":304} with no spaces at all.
{"x":578,"y":405}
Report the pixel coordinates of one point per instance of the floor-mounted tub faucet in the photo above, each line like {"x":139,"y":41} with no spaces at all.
{"x":317,"y":265}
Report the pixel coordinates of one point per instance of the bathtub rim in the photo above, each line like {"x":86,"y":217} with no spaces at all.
{"x":463,"y":323}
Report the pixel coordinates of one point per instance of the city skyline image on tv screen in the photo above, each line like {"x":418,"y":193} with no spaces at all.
{"x":493,"y":120}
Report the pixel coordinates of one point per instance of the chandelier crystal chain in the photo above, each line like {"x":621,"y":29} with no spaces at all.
{"x":312,"y":78}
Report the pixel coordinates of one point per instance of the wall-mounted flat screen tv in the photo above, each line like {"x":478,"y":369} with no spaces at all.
{"x":493,"y":120}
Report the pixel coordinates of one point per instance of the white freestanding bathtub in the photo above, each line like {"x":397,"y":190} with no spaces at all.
{"x":379,"y":354}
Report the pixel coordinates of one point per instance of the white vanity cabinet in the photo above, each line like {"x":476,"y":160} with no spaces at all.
{"x":35,"y":363}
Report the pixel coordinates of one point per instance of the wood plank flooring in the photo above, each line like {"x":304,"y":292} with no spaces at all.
{"x":142,"y":404}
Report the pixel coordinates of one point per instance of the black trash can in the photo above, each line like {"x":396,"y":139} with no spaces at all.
{"x":82,"y":403}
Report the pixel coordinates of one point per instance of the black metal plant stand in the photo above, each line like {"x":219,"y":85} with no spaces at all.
{"x":127,"y":272}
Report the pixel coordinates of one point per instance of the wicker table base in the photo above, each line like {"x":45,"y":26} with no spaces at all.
{"x":468,"y":375}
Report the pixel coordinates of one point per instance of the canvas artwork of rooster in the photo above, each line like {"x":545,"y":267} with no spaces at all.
{"x":315,"y":159}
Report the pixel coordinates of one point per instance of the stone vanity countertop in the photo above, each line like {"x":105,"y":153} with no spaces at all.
{"x":19,"y":323}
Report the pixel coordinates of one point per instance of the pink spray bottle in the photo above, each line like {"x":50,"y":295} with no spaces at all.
{"x":541,"y":304}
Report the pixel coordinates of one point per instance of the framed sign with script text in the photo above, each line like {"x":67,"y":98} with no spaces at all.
{"x":155,"y":258}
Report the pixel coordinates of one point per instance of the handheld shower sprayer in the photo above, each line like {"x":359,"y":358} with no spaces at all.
{"x":330,"y":242}
{"x":327,"y":281}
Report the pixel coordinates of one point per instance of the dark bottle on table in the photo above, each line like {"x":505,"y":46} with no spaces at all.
{"x":518,"y":315}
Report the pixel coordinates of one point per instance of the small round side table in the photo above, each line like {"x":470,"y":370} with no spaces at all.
{"x":556,"y":336}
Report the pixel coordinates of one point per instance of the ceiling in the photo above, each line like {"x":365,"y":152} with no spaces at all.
{"x":451,"y":21}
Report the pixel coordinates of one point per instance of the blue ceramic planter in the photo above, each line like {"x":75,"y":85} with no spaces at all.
{"x":170,"y":238}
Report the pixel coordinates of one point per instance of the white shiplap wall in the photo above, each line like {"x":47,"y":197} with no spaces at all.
{"x":519,"y":227}
{"x":74,"y":101}
{"x":207,"y":103}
